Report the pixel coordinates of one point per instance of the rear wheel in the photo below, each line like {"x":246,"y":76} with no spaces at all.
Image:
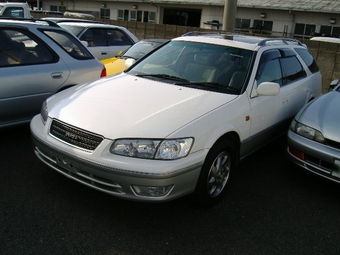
{"x":215,"y":173}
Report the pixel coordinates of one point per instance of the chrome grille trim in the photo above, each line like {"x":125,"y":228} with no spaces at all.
{"x":75,"y":136}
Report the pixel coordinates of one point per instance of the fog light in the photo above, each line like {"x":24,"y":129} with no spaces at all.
{"x":152,"y":191}
{"x":297,"y":153}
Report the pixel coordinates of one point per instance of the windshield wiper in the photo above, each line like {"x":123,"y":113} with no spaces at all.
{"x":126,"y":57}
{"x":164,"y":76}
{"x":208,"y":85}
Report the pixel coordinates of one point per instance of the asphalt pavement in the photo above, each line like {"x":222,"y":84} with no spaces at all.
{"x":271,"y":207}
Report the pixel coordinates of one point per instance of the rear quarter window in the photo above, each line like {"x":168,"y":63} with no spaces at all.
{"x":308,"y":59}
{"x":69,"y":43}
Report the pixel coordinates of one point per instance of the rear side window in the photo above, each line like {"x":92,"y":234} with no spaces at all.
{"x":308,"y":59}
{"x":118,"y":37}
{"x":69,"y":43}
{"x":20,"y":47}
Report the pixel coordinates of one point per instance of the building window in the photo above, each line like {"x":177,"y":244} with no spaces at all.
{"x":59,"y":8}
{"x":242,"y":23}
{"x":139,"y":16}
{"x":123,"y":15}
{"x":302,"y":30}
{"x":133,"y":15}
{"x":120,"y":15}
{"x":152,"y":17}
{"x":326,"y":30}
{"x":263,"y":26}
{"x":105,"y":13}
{"x":336,"y":32}
{"x":330,"y":31}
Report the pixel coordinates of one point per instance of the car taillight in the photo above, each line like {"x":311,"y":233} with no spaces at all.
{"x":103,"y":73}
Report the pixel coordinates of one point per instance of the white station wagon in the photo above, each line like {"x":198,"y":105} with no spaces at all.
{"x":179,"y":120}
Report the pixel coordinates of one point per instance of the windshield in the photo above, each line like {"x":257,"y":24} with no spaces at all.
{"x":141,"y":48}
{"x":73,"y":29}
{"x":199,"y":65}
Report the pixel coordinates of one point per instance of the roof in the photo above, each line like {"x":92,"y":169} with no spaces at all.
{"x":329,"y":6}
{"x":88,"y":24}
{"x":248,"y":42}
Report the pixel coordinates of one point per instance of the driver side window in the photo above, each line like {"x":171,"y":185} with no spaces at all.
{"x":270,"y":67}
{"x":271,"y":72}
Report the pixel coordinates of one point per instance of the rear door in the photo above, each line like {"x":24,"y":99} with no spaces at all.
{"x":29,"y":72}
{"x":97,"y":42}
{"x":118,"y":41}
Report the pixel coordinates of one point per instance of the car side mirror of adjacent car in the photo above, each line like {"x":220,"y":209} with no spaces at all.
{"x":129,"y":62}
{"x":85,"y":43}
{"x":268,"y":89}
{"x":333,"y":84}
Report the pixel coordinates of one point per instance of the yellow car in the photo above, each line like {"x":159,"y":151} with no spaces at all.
{"x":135,"y":52}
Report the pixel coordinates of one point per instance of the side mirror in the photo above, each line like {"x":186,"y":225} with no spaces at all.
{"x":333,"y":84}
{"x":119,"y":53}
{"x":85,"y":43}
{"x":129,"y":62}
{"x":268,"y":89}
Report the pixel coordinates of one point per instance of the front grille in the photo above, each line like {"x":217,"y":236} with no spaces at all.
{"x":75,"y":136}
{"x":333,"y":144}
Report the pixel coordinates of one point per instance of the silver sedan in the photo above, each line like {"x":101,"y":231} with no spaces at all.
{"x":38,"y":60}
{"x":314,"y":136}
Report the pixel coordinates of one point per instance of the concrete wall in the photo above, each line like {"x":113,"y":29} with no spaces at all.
{"x":327,"y":56}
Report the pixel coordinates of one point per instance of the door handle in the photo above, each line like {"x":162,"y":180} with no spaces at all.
{"x":57,"y":75}
{"x":104,"y":53}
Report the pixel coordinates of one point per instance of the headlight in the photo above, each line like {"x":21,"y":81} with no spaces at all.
{"x":307,"y":131}
{"x":44,"y":112}
{"x":152,"y":149}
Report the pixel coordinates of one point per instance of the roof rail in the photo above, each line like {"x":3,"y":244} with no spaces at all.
{"x":284,"y":40}
{"x":213,"y":32}
{"x":50,"y":23}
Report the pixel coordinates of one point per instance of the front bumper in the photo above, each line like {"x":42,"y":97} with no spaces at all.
{"x":116,"y":175}
{"x":314,"y":157}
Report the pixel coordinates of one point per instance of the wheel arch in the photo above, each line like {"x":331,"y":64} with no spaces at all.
{"x":234,"y":138}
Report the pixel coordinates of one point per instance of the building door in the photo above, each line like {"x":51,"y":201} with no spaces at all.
{"x":182,"y":17}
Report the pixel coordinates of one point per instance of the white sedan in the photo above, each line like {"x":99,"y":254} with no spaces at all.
{"x":103,"y":40}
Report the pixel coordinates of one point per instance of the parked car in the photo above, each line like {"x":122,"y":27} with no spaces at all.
{"x":314,"y":136}
{"x":179,"y":120}
{"x":36,"y":61}
{"x":325,"y":39}
{"x":103,"y":40}
{"x":135,"y":52}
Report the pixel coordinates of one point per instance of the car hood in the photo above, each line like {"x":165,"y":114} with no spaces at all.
{"x":130,"y":106}
{"x":323,"y":114}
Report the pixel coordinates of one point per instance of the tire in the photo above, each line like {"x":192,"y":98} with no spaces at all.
{"x":215,"y":174}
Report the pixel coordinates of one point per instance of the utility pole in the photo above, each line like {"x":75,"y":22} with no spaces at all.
{"x":229,"y":15}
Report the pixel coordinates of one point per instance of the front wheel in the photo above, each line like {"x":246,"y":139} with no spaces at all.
{"x":215,"y":173}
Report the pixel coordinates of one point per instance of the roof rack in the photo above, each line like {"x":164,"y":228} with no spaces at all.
{"x":230,"y":35}
{"x":284,"y":40}
{"x":214,"y":32}
{"x":50,"y":23}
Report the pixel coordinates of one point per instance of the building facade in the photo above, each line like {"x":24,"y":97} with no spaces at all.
{"x":289,"y":18}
